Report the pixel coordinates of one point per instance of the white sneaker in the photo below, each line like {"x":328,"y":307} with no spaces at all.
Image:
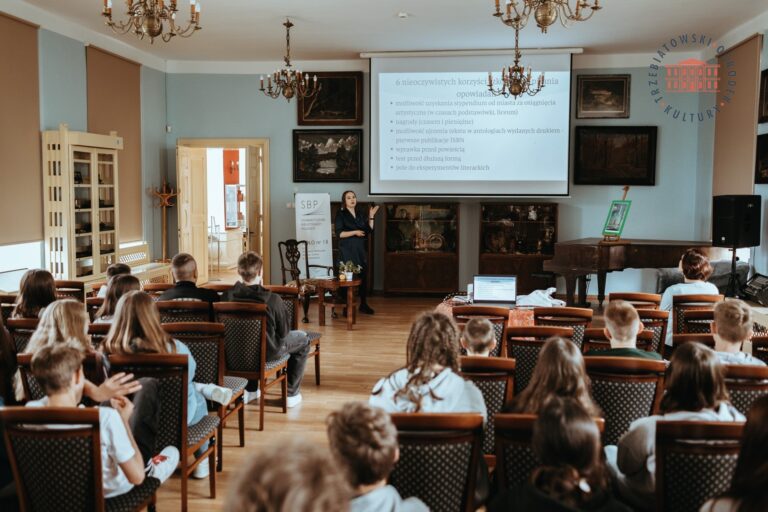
{"x":294,"y":400}
{"x":162,"y":465}
{"x":250,"y":396}
{"x":202,"y":470}
{"x":214,"y":393}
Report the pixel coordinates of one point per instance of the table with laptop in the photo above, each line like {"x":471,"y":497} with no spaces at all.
{"x":496,"y":291}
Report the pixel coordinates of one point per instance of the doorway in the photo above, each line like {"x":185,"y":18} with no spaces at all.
{"x":223,"y":199}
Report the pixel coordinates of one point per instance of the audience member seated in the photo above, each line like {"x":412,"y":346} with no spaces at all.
{"x":622,"y":325}
{"x":572,"y":476}
{"x":559,"y":372}
{"x":430,"y":381}
{"x":118,"y":286}
{"x":7,"y":365}
{"x":59,"y":370}
{"x":37,"y":289}
{"x":136,"y":329}
{"x":478,"y":338}
{"x":749,"y":487}
{"x":184,"y":269}
{"x":294,"y":475}
{"x":731,"y":328}
{"x":696,"y":270}
{"x":281,"y":339}
{"x":695,"y":391}
{"x":114,"y":270}
{"x":363,"y":441}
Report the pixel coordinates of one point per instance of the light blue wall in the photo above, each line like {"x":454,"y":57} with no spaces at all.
{"x":63,"y":93}
{"x":153,"y":159}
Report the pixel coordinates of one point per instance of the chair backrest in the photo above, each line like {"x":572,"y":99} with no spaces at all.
{"x":679,"y":339}
{"x":694,"y":462}
{"x":576,"y":318}
{"x":219,"y":288}
{"x":760,"y":347}
{"x":156,"y":289}
{"x":171,"y":372}
{"x":495,"y":378}
{"x":245,"y":327}
{"x":291,"y":252}
{"x":92,"y":305}
{"x":70,"y":289}
{"x":746,"y":384}
{"x":498,"y":316}
{"x":205,"y":341}
{"x":524,"y":345}
{"x":439,"y":457}
{"x":682,"y":303}
{"x":697,"y":321}
{"x":290,"y":298}
{"x":21,"y":330}
{"x":626,"y":389}
{"x":98,"y":333}
{"x":172,"y":311}
{"x":55,"y":468}
{"x":7,"y":303}
{"x":93,"y":369}
{"x":639,"y":300}
{"x":595,"y":339}
{"x":655,"y":321}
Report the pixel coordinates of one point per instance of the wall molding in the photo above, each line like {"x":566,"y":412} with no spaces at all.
{"x":260,"y":67}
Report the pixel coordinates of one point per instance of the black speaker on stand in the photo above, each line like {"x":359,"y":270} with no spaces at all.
{"x":735,"y":224}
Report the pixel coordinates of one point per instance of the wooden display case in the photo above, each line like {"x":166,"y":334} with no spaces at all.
{"x":515,"y":239}
{"x":80,"y":203}
{"x":422,"y":248}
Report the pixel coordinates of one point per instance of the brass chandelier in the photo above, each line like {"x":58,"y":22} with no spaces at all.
{"x":288,"y":82}
{"x":545,"y":12}
{"x":146,"y":18}
{"x":515,"y":81}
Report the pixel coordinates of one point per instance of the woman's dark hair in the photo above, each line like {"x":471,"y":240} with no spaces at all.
{"x":344,"y":198}
{"x":695,"y":265}
{"x":694,"y":380}
{"x":37,"y":290}
{"x":118,"y":286}
{"x":566,"y":441}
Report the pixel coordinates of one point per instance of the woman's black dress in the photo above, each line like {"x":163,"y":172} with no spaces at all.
{"x":354,"y":248}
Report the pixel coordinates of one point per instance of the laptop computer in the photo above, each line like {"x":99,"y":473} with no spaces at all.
{"x":490,"y":290}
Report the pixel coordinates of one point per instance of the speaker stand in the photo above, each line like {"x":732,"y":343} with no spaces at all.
{"x":733,"y":281}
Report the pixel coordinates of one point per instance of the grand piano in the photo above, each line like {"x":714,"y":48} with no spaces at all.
{"x":577,"y":259}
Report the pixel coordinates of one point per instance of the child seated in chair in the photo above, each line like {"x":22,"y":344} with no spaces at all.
{"x":113,"y":271}
{"x":59,"y":370}
{"x":363,"y":441}
{"x":622,"y":325}
{"x":731,"y":329}
{"x":478,"y":338}
{"x":37,"y":290}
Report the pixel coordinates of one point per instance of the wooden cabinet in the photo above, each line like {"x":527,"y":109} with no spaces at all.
{"x":515,"y":239}
{"x":80,"y":203}
{"x":422,"y":248}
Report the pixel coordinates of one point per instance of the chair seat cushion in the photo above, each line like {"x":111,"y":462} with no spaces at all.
{"x":278,"y":362}
{"x":236,"y":384}
{"x":131,"y":501}
{"x":202,"y":429}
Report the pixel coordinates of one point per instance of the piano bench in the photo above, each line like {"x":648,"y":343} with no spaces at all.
{"x":721,"y":271}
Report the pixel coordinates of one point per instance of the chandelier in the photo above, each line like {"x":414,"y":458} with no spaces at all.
{"x":545,"y":12}
{"x":146,"y":18}
{"x":289,"y":82}
{"x":515,"y":81}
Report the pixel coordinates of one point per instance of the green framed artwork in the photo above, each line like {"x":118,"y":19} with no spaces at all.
{"x":617,"y":216}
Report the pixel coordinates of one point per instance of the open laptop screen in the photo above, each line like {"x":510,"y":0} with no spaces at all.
{"x":495,"y":289}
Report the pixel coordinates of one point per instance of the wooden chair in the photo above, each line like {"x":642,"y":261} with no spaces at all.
{"x":695,"y":461}
{"x":760,"y":347}
{"x":93,"y":369}
{"x":515,"y":460}
{"x":246,"y":349}
{"x":626,"y":389}
{"x":498,"y":316}
{"x":155,"y":290}
{"x":697,"y":321}
{"x":219,"y":288}
{"x":679,"y":339}
{"x":439,"y":457}
{"x":639,"y":300}
{"x":290,"y":297}
{"x":745,"y":384}
{"x":682,"y":303}
{"x":60,"y":468}
{"x":495,"y":378}
{"x":96,"y":287}
{"x":7,"y":303}
{"x":291,"y":252}
{"x":576,"y":318}
{"x":205,"y":341}
{"x":98,"y":332}
{"x":173,"y":311}
{"x":21,"y":330}
{"x":596,"y":340}
{"x":655,"y":321}
{"x":70,"y":289}
{"x":92,"y":305}
{"x":524,"y":345}
{"x":171,"y":371}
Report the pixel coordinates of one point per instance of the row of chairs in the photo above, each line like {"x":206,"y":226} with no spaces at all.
{"x":64,"y":289}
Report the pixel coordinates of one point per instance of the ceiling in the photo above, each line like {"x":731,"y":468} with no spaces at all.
{"x":251,"y":30}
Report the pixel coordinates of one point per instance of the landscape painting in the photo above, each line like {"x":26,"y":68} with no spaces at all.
{"x":327,"y":156}
{"x":339,"y":102}
{"x":615,"y":155}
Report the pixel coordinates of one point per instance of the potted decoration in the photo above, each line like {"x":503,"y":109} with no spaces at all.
{"x":347,"y":270}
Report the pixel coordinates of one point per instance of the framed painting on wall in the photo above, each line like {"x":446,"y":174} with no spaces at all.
{"x":615,"y":155}
{"x":762,"y":106}
{"x":339,"y":102}
{"x":327,"y":156}
{"x":617,"y":216}
{"x":602,"y":96}
{"x":761,"y":160}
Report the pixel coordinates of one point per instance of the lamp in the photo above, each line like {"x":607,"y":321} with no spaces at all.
{"x":515,"y":81}
{"x":289,"y":82}
{"x":545,"y":12}
{"x":146,"y":18}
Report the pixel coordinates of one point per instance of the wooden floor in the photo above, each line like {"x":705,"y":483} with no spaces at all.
{"x":352,"y":361}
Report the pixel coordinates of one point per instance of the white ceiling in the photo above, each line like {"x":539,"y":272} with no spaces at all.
{"x":251,"y":30}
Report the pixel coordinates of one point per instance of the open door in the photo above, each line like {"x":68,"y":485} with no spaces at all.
{"x":193,"y":206}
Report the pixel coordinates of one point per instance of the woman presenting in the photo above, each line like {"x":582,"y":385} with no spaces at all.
{"x":353,"y":229}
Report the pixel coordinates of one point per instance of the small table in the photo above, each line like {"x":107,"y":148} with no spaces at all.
{"x":332,"y":285}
